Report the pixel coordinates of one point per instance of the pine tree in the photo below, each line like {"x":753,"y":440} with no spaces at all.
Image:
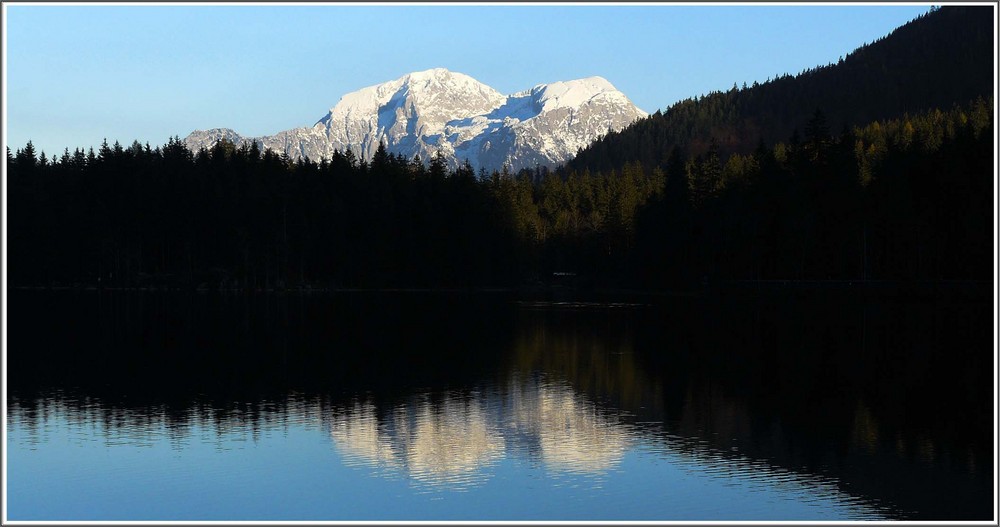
{"x":439,"y":166}
{"x":380,"y":161}
{"x":26,"y":156}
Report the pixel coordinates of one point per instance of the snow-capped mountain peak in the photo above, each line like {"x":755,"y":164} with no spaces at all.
{"x":437,"y":109}
{"x":571,"y":94}
{"x":422,"y":87}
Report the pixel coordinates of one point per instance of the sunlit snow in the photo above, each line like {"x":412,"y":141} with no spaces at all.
{"x":423,"y":112}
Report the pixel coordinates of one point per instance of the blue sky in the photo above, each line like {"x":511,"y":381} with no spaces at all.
{"x":77,"y":74}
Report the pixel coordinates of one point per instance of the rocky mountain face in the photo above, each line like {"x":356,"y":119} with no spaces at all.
{"x":424,"y":112}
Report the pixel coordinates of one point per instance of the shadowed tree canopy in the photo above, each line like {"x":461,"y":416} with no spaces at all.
{"x":941,"y":58}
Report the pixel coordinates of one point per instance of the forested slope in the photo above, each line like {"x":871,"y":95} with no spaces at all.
{"x":938,"y":60}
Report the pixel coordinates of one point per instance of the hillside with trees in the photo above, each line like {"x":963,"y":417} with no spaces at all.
{"x":940,"y":59}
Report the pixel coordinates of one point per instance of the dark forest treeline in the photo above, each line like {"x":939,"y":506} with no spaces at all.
{"x":235,"y":217}
{"x":238,"y":217}
{"x":902,"y":199}
{"x":906,"y":199}
{"x":941,"y":58}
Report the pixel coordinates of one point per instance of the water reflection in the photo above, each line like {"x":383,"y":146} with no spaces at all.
{"x":355,"y":432}
{"x":449,"y":442}
{"x":571,"y":433}
{"x":450,"y":439}
{"x":445,"y":443}
{"x":786,"y":402}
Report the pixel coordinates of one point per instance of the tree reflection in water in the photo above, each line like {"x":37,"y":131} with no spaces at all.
{"x":886,"y":400}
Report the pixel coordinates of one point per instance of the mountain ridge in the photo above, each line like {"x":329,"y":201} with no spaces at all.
{"x":434,"y":110}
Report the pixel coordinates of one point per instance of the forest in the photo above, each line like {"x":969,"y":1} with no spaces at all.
{"x":942,"y":58}
{"x":907,"y":199}
{"x":877,"y":169}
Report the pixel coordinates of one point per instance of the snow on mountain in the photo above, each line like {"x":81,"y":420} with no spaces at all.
{"x":427,"y":111}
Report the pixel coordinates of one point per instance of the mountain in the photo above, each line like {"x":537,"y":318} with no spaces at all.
{"x":940,"y":59}
{"x":423,"y":112}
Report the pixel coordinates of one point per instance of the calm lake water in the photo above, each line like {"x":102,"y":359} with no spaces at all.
{"x":419,"y":406}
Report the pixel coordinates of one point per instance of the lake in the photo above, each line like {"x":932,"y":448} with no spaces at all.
{"x":460,"y":406}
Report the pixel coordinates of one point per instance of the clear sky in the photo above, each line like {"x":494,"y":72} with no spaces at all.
{"x":78,"y":74}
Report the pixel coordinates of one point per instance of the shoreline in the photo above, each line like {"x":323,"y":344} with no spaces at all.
{"x":938,"y":288}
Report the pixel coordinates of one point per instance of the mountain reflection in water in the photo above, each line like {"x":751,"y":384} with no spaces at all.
{"x":446,"y":444}
{"x":453,"y":440}
{"x":774,"y":408}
